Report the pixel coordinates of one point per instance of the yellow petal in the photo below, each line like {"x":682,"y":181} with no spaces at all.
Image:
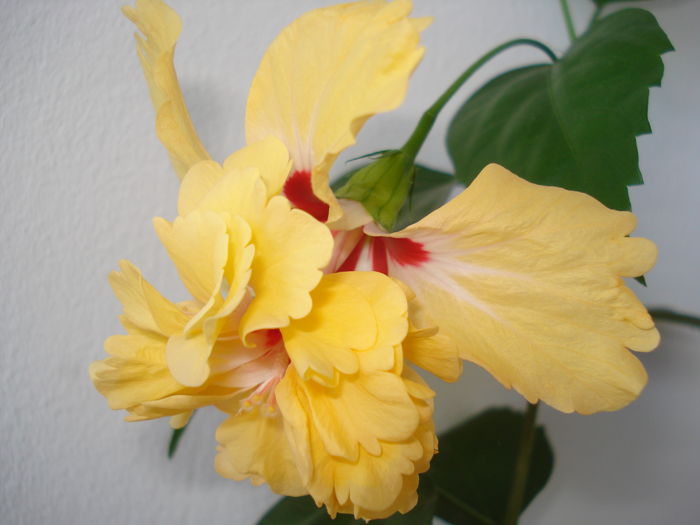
{"x":197,"y":244}
{"x":198,"y":181}
{"x":526,"y":280}
{"x":188,"y":358}
{"x":434,"y":352}
{"x":374,"y":483}
{"x":237,"y":192}
{"x":352,"y":312}
{"x":135,"y":371}
{"x":290,"y":250}
{"x":161,"y":26}
{"x":359,"y":412}
{"x":254,"y":445}
{"x":178,"y":407}
{"x":143,"y":305}
{"x":269,"y":156}
{"x":325,"y":75}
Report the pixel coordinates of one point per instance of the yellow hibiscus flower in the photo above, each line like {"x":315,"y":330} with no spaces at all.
{"x":521,"y":279}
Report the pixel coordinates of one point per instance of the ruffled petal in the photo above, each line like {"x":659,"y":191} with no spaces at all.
{"x":352,"y":312}
{"x":135,"y":371}
{"x":290,"y":250}
{"x":269,"y":156}
{"x":325,"y":75}
{"x":359,"y":412}
{"x":254,"y":445}
{"x":198,"y":245}
{"x":239,"y":192}
{"x":375,"y":483}
{"x":434,"y":352}
{"x":197,"y":182}
{"x":526,"y":280}
{"x":188,"y":358}
{"x":161,"y":26}
{"x":144,"y":306}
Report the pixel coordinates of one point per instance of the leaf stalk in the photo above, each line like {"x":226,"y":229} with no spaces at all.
{"x":425,"y":124}
{"x":568,"y":19}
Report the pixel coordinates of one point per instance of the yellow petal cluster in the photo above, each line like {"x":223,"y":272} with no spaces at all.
{"x":310,"y":367}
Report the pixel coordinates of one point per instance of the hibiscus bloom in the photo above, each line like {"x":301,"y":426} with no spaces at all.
{"x":521,"y":279}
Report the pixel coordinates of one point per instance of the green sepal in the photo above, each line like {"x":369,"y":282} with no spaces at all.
{"x":382,"y":186}
{"x":176,"y":436}
{"x":573,"y":123}
{"x":430,"y":189}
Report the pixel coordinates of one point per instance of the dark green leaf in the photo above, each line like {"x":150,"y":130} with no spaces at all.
{"x":431,"y":189}
{"x":303,"y":511}
{"x":473,"y":472}
{"x":573,"y":123}
{"x":175,"y":438}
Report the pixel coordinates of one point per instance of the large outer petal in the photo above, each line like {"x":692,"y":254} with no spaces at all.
{"x":326,"y":74}
{"x":526,"y":280}
{"x":161,"y":27}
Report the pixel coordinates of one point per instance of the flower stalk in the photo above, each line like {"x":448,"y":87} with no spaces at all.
{"x":522,"y":466}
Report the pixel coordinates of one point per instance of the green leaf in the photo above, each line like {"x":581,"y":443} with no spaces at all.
{"x":176,"y":436}
{"x":473,"y":471}
{"x":431,"y":189}
{"x":573,"y":123}
{"x":303,"y":511}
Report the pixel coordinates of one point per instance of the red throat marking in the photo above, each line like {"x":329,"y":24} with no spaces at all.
{"x":406,"y":252}
{"x":382,"y":250}
{"x":272,"y":337}
{"x":298,"y":190}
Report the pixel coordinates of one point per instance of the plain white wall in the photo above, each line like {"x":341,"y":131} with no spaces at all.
{"x":83,"y":174}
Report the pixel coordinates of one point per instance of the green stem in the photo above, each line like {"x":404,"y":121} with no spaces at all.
{"x":522,"y":467}
{"x":425,"y":124}
{"x":567,"y":18}
{"x":663,"y":314}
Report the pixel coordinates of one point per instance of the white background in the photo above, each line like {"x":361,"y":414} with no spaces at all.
{"x":82,"y":175}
